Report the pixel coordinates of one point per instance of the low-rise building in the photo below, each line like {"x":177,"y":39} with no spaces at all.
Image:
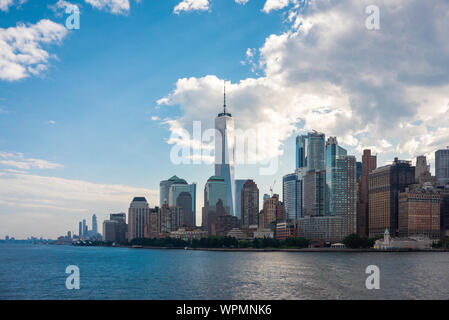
{"x":188,"y":235}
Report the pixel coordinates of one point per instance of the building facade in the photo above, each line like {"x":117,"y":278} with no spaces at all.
{"x":249,"y":204}
{"x":292,"y":196}
{"x":385,"y":184}
{"x":369,"y":163}
{"x":138,"y":214}
{"x":272,"y":211}
{"x":442,"y":166}
{"x":419,"y":212}
{"x":238,"y":197}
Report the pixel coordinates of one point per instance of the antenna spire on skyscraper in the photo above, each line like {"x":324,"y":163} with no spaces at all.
{"x":224,"y":96}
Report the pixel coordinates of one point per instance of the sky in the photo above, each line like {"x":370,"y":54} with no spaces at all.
{"x":89,"y":117}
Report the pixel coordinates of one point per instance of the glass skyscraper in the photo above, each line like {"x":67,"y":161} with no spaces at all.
{"x":301,"y":151}
{"x":292,"y":196}
{"x":442,"y":166}
{"x":333,"y":174}
{"x":315,"y":151}
{"x":238,"y":197}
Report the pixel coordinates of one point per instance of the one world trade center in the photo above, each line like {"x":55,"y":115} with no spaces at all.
{"x":224,"y":153}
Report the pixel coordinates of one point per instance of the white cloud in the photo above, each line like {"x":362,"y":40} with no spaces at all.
{"x":384,"y":89}
{"x":113,"y":6}
{"x":18,"y":160}
{"x":50,"y":206}
{"x":271,"y":5}
{"x":21,"y":52}
{"x":6,"y":4}
{"x":241,"y":1}
{"x":191,"y":5}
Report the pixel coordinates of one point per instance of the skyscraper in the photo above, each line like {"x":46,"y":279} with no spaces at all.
{"x":172,"y":188}
{"x":301,"y":151}
{"x":316,"y":151}
{"x":94,"y":225}
{"x":250,"y":204}
{"x":238,"y":196}
{"x":369,"y":163}
{"x":272,"y":211}
{"x":80,"y":230}
{"x":334,"y":179}
{"x":385,"y":184}
{"x":224,"y":152}
{"x":138,"y":215}
{"x":442,"y":166}
{"x":292,"y":196}
{"x":215,"y":201}
{"x":421,"y":166}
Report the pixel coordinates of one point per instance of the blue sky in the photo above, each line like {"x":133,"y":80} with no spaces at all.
{"x":90,"y":131}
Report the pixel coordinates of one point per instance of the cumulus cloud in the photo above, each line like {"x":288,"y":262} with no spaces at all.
{"x":271,"y":5}
{"x":113,"y":6}
{"x":192,"y":5}
{"x":21,"y":48}
{"x":385,"y":89}
{"x":50,"y":206}
{"x":19,"y":161}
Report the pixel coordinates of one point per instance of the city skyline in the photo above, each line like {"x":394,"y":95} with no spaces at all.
{"x":73,"y":145}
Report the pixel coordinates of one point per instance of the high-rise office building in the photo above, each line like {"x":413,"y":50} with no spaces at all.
{"x":301,"y":151}
{"x":272,"y":211}
{"x":334,"y":180}
{"x":314,"y":193}
{"x":215,"y":201}
{"x":224,"y":153}
{"x":421,"y":167}
{"x":171,"y":189}
{"x":292,"y":196}
{"x":138,"y":215}
{"x":442,"y":166}
{"x":369,"y":163}
{"x":385,"y":184}
{"x":238,"y":196}
{"x":250,"y":204}
{"x":115,"y":228}
{"x":80,"y":229}
{"x":316,"y":160}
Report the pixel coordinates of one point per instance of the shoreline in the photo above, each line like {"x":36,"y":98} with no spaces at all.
{"x":347,"y":250}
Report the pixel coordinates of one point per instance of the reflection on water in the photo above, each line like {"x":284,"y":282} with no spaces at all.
{"x":38,"y":272}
